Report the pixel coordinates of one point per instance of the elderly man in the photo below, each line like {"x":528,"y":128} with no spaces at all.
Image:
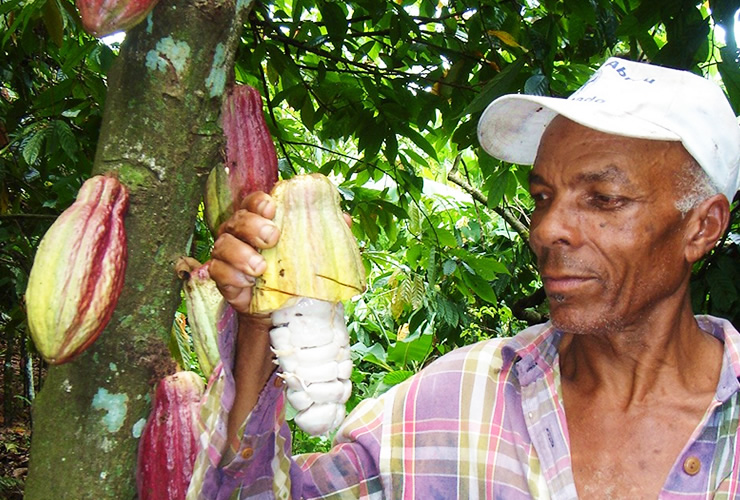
{"x":623,"y":394}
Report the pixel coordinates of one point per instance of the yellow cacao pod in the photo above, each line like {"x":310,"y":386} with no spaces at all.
{"x":317,"y":255}
{"x":78,"y":271}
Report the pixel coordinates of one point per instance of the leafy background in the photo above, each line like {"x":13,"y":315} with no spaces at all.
{"x":384,"y":97}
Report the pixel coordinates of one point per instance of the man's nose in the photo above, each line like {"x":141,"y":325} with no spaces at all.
{"x":558,"y":224}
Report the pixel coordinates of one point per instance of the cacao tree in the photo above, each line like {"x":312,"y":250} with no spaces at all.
{"x":382,"y":96}
{"x":160,"y":135}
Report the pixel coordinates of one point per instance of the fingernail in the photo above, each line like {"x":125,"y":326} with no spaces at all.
{"x":262,"y":206}
{"x":266,"y":232}
{"x":256,"y":262}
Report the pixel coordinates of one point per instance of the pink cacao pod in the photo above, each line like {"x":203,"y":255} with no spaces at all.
{"x":169,"y":442}
{"x":78,"y":271}
{"x":103,"y":17}
{"x":251,"y":160}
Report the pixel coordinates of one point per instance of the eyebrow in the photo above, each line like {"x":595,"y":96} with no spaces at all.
{"x":611,"y":173}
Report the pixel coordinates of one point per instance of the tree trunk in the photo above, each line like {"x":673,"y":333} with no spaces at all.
{"x":161,"y":136}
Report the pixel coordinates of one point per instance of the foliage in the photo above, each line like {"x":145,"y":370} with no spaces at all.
{"x":384,"y":97}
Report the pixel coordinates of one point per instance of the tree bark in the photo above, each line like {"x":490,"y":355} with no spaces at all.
{"x":161,"y":136}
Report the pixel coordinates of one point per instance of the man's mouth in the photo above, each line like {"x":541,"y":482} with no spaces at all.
{"x":558,"y":284}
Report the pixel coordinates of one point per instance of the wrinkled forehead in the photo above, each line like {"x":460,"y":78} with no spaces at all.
{"x":588,"y":155}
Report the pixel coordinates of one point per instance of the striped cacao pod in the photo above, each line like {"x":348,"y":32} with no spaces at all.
{"x":203,"y":302}
{"x":169,"y":441}
{"x":251,"y":160}
{"x":78,"y":271}
{"x":328,"y":267}
{"x":303,"y":290}
{"x":103,"y":17}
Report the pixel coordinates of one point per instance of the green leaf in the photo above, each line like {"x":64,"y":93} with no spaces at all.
{"x":53,"y":21}
{"x":420,"y":141}
{"x":32,"y":146}
{"x":485,"y":267}
{"x":449,"y":266}
{"x":336,"y":22}
{"x":396,"y":377}
{"x":374,"y":354}
{"x":730,"y":72}
{"x":415,"y":348}
{"x":481,"y":287}
{"x":498,"y":86}
{"x":66,"y":137}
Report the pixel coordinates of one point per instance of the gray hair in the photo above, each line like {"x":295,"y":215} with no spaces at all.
{"x":694,"y":186}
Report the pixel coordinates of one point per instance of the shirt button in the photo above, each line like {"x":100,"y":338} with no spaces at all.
{"x":247,"y":453}
{"x":691,"y":466}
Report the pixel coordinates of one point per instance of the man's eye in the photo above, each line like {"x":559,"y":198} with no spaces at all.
{"x":539,"y":197}
{"x":607,"y":201}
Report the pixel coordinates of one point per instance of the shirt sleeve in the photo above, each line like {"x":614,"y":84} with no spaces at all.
{"x":263,"y":465}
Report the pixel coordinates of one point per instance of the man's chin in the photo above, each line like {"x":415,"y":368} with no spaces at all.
{"x":577,"y":321}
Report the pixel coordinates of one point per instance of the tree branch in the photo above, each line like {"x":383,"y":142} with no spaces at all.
{"x":505,"y":213}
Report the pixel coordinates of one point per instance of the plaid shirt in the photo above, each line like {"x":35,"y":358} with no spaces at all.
{"x":484,"y":421}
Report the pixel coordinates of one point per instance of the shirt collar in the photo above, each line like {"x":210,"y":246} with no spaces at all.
{"x":535,"y":352}
{"x":730,"y":338}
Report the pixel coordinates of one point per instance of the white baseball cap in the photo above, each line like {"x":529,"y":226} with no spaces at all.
{"x":629,"y":99}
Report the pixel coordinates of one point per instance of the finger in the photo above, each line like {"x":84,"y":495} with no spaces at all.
{"x":260,"y":203}
{"x":239,"y":298}
{"x":251,"y":228}
{"x":347,"y":219}
{"x":235,"y":286}
{"x":236,"y":254}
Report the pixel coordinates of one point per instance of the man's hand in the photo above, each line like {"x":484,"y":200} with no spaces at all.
{"x":236,"y":261}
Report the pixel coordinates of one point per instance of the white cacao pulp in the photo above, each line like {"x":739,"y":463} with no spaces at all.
{"x":311,"y":342}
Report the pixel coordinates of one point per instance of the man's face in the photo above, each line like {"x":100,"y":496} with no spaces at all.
{"x":608,"y":238}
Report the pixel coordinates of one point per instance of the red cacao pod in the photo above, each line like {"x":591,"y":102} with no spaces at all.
{"x":103,"y":17}
{"x":169,"y":441}
{"x":78,"y":271}
{"x":251,"y":160}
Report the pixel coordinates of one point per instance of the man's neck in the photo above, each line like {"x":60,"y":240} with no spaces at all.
{"x":663,"y":354}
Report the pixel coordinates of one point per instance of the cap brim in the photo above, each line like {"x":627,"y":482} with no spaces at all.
{"x":511,"y":127}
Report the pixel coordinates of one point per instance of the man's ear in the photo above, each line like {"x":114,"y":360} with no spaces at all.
{"x":706,"y":226}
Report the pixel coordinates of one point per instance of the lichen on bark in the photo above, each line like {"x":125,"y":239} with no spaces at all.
{"x":160,"y":135}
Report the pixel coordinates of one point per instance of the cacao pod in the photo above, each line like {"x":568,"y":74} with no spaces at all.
{"x":204,"y":303}
{"x":103,"y":17}
{"x":251,"y":160}
{"x":314,"y":266}
{"x":169,"y":441}
{"x":78,"y":271}
{"x":317,"y":255}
